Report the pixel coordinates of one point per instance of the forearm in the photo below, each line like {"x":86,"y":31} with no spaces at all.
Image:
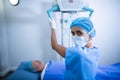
{"x":53,"y":39}
{"x":59,"y":48}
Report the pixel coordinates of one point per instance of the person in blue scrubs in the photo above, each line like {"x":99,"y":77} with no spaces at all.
{"x":82,"y":59}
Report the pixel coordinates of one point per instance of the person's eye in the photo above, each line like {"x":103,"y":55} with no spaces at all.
{"x":72,"y":33}
{"x":79,"y":33}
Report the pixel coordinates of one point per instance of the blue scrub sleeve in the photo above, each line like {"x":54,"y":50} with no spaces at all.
{"x":78,"y":65}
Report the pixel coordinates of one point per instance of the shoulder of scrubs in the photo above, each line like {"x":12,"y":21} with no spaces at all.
{"x":75,"y":51}
{"x":83,"y":51}
{"x":72,"y":50}
{"x":43,"y":72}
{"x":93,"y":53}
{"x":82,"y":61}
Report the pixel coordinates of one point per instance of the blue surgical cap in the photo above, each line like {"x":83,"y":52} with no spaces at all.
{"x":84,"y":23}
{"x":29,"y":67}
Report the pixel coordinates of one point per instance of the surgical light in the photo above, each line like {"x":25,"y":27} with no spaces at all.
{"x":70,"y":5}
{"x":14,"y":2}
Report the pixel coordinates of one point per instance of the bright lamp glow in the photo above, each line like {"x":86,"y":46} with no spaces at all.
{"x":14,"y":2}
{"x":70,"y":5}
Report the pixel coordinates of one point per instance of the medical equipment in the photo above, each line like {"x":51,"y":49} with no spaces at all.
{"x":14,"y":2}
{"x":67,"y":11}
{"x":70,"y":6}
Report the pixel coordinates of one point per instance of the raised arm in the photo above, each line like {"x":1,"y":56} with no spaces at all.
{"x":60,"y":49}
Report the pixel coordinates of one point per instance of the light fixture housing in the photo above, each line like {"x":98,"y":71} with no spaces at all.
{"x":14,"y":2}
{"x":71,"y":5}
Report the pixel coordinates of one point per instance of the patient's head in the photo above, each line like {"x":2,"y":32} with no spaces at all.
{"x":38,"y":65}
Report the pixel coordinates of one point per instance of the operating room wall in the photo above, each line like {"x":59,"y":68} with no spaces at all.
{"x":106,"y":19}
{"x":4,"y":64}
{"x":28,"y":32}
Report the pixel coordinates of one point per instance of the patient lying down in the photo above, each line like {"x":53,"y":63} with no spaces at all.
{"x":51,"y":71}
{"x":54,"y":70}
{"x":38,"y":65}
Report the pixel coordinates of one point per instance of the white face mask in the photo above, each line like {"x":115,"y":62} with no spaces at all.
{"x":80,"y":41}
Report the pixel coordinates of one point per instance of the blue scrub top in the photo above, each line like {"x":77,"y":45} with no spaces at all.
{"x":81,"y":63}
